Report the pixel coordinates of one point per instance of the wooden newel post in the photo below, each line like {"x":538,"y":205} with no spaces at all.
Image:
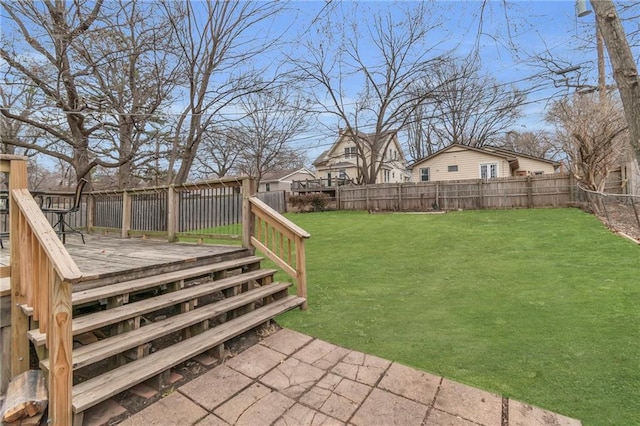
{"x":248,"y":219}
{"x":301,"y":272}
{"x":60,"y":342}
{"x":19,"y":320}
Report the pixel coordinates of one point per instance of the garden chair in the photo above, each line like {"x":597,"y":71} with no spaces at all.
{"x":63,"y":227}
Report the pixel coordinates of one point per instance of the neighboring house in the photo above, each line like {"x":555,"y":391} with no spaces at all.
{"x":281,"y":181}
{"x":457,"y":162}
{"x":341,"y":161}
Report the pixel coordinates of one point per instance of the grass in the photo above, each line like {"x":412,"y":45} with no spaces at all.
{"x":537,"y":305}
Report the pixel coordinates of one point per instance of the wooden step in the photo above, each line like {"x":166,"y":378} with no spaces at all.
{"x":97,"y":389}
{"x":85,"y":323}
{"x":120,"y":343}
{"x":132,"y":286}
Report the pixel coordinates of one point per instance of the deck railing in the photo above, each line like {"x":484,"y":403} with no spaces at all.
{"x":202,"y":210}
{"x":42,"y":274}
{"x":315,"y":185}
{"x":282,"y":241}
{"x":224,"y":209}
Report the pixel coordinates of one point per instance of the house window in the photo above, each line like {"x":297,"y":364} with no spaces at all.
{"x":425,"y":174}
{"x":489,"y":170}
{"x":538,"y":173}
{"x":329,"y":179}
{"x":267,"y":187}
{"x":342,"y":173}
{"x":387,"y":176}
{"x":452,"y":168}
{"x":350,"y":152}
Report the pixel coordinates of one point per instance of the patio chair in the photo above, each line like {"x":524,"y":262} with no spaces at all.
{"x":4,"y":215}
{"x":63,"y":227}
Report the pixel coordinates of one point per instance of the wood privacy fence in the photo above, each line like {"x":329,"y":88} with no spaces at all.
{"x":555,"y":190}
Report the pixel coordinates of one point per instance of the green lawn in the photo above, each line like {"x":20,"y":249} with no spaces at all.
{"x":542,"y":306}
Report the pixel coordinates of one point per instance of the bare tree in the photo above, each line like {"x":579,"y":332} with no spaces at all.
{"x":382,"y":54}
{"x":219,"y":150}
{"x":537,"y":144}
{"x":469,"y":108}
{"x":593,"y":134}
{"x":51,"y":29}
{"x":215,"y":48}
{"x":272,"y":119}
{"x":130,"y":58}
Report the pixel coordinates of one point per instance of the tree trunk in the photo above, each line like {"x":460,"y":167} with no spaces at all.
{"x":625,"y":70}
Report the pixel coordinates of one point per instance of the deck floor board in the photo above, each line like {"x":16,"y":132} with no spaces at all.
{"x":102,"y":255}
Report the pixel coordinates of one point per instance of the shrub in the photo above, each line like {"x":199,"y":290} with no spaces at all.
{"x":309,"y":202}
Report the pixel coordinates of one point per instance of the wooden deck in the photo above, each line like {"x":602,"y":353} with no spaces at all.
{"x":103,"y":257}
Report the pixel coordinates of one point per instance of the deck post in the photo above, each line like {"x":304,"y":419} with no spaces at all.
{"x":301,"y":272}
{"x":126,"y":214}
{"x":172,"y":214}
{"x":248,"y":219}
{"x":19,"y":320}
{"x":91,"y":207}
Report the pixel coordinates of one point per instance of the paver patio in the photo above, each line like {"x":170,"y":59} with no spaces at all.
{"x":290,"y":379}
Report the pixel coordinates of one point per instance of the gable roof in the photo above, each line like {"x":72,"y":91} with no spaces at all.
{"x":344,"y":133}
{"x":510,"y":156}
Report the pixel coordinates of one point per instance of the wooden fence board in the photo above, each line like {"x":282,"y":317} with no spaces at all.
{"x":500,"y":193}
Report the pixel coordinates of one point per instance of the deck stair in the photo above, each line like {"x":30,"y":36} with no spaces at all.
{"x":194,"y":310}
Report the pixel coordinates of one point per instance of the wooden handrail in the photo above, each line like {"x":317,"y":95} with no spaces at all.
{"x":274,"y":236}
{"x":43,"y":277}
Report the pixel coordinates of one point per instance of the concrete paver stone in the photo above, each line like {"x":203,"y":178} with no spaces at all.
{"x":256,"y":405}
{"x":362,"y":368}
{"x":292,"y":377}
{"x":225,"y":381}
{"x":386,"y":409}
{"x":299,"y":415}
{"x":286,"y":341}
{"x":321,"y":354}
{"x":469,"y":403}
{"x":212,"y":420}
{"x":255,"y":361}
{"x":521,"y":414}
{"x":101,"y":414}
{"x":173,"y":410}
{"x":410,"y":383}
{"x":440,"y":418}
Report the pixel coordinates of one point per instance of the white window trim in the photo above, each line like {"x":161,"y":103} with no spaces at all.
{"x":428,"y":174}
{"x":496,"y":163}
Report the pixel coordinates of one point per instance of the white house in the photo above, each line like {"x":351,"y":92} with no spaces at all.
{"x":457,"y":162}
{"x":342,"y":161}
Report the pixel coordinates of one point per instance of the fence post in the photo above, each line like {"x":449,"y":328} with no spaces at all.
{"x":480,"y":194}
{"x":338,"y":190}
{"x":248,"y":219}
{"x":572,"y":184}
{"x":172,"y":213}
{"x":366,"y":195}
{"x":400,"y":196}
{"x":126,"y":214}
{"x":19,"y":320}
{"x":529,"y":192}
